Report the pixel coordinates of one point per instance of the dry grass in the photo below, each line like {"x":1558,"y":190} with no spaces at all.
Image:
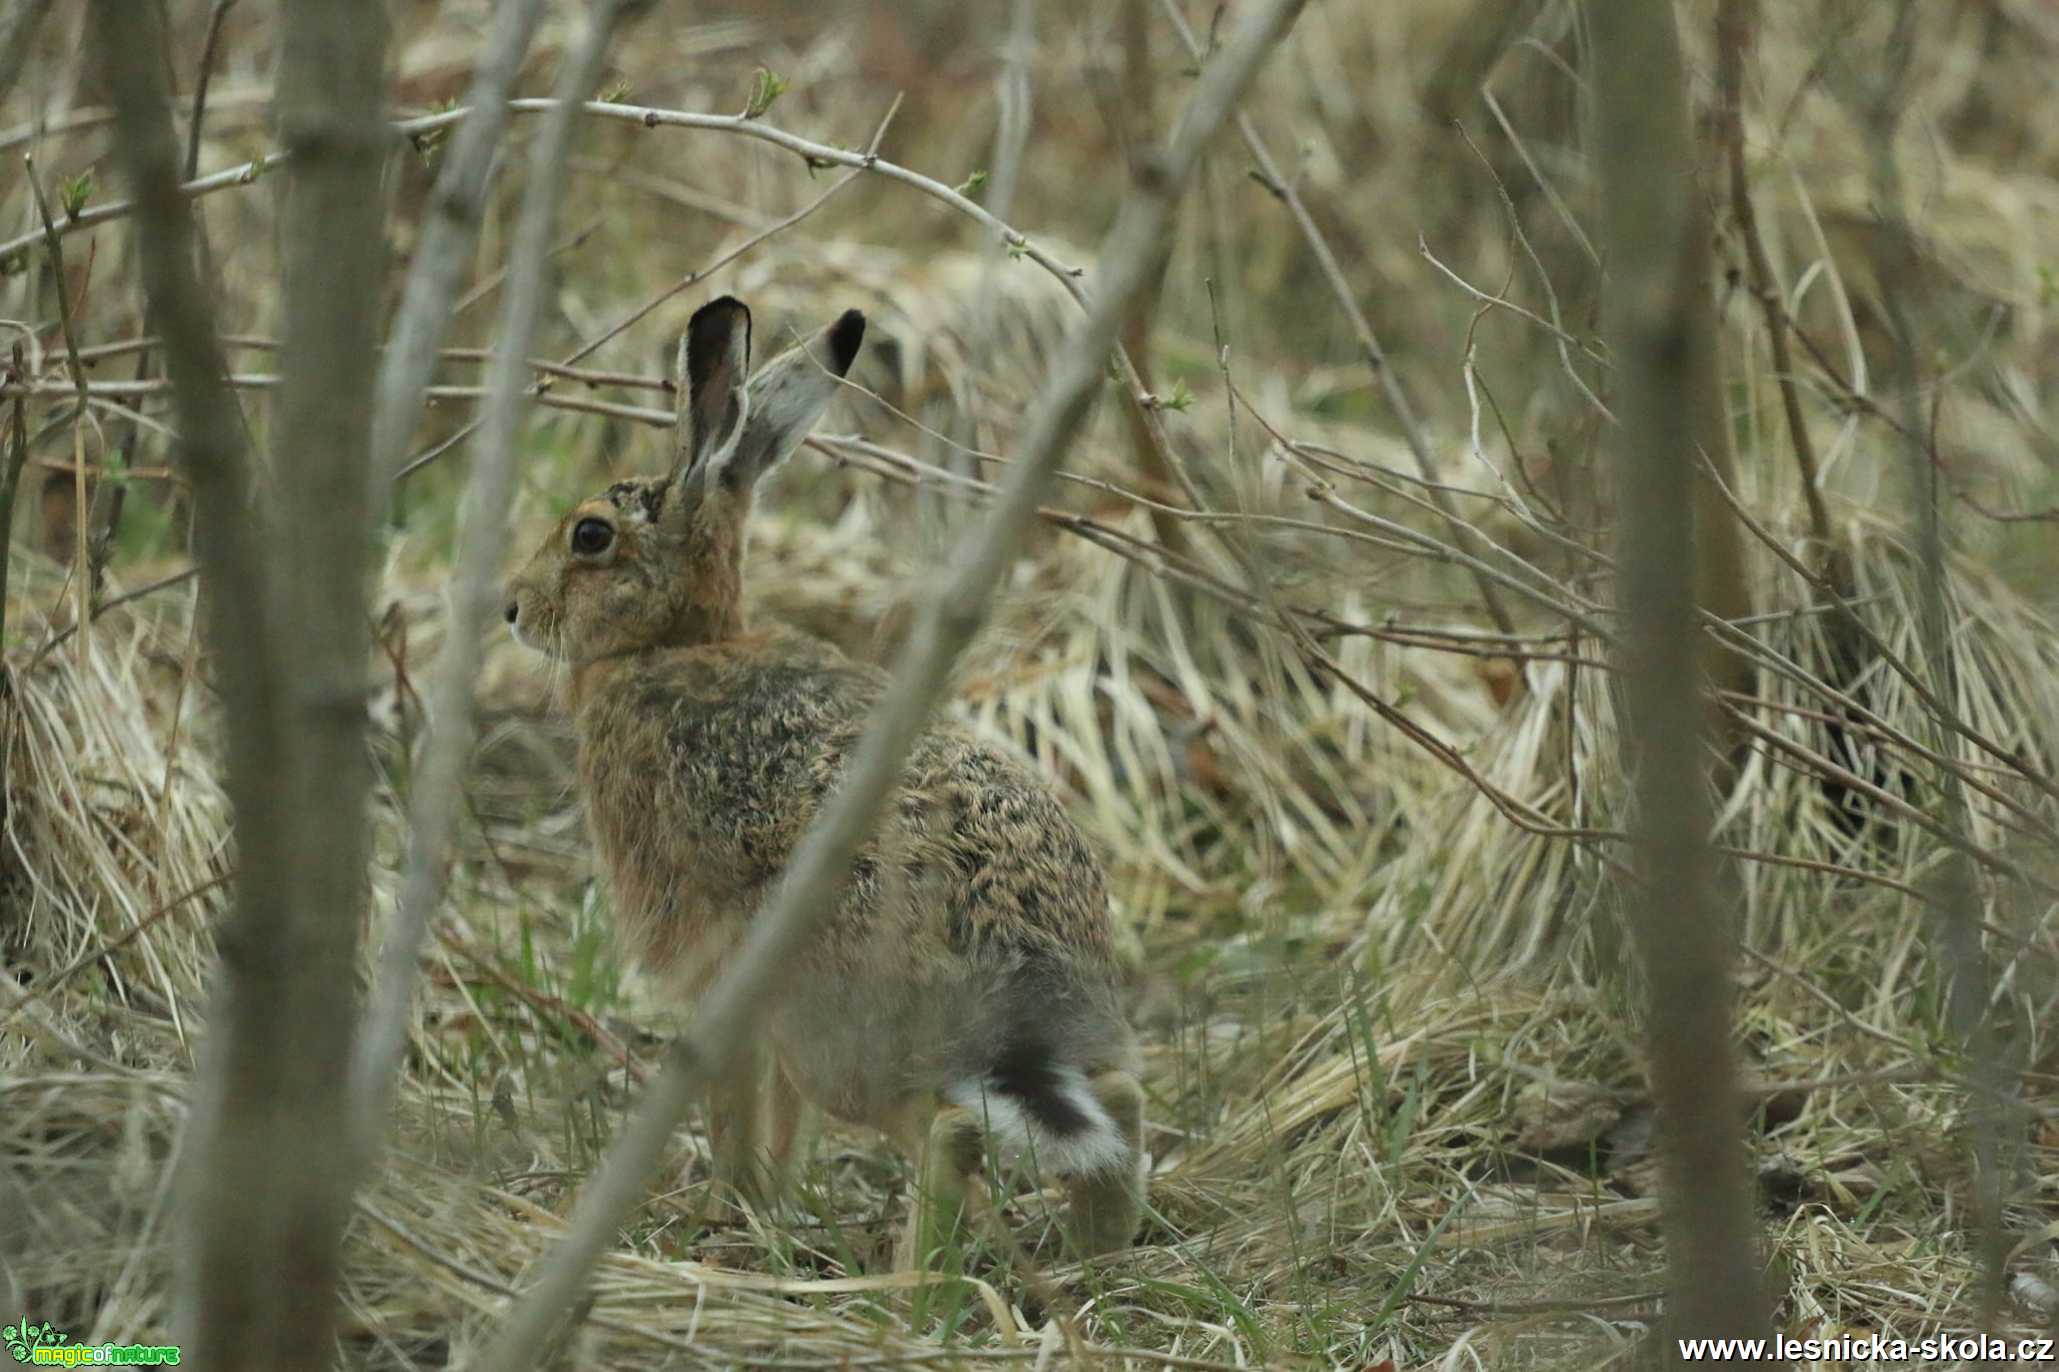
{"x":1397,"y":1105}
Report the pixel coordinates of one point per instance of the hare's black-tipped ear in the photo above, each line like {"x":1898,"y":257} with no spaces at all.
{"x":844,"y":337}
{"x":714,"y":399}
{"x":789,"y":395}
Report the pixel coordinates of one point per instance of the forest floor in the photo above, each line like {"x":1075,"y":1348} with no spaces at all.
{"x":1398,"y":1112}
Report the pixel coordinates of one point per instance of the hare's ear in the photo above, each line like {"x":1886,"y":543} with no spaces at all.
{"x":787,"y":397}
{"x":714,"y":400}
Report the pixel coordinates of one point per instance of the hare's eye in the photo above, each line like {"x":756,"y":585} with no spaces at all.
{"x":591,"y":537}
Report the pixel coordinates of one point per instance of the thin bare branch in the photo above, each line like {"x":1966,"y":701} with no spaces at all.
{"x":217,"y":15}
{"x":814,"y":154}
{"x":10,"y":482}
{"x":1951,"y":894}
{"x":489,"y":492}
{"x":148,"y":588}
{"x":210,"y":447}
{"x":449,"y":235}
{"x":1734,"y":24}
{"x":1013,"y":104}
{"x":1288,"y":194}
{"x":54,"y":243}
{"x":243,"y":175}
{"x":684,"y":283}
{"x":1478,"y":41}
{"x":18,"y":38}
{"x":1651,"y":238}
{"x":86,"y":571}
{"x":263,"y":1197}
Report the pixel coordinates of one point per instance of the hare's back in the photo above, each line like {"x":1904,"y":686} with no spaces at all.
{"x":976,"y":851}
{"x":1018,"y":875}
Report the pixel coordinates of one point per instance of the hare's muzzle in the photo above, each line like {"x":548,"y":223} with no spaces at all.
{"x":516,"y":624}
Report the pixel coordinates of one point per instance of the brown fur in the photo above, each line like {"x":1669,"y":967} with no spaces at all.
{"x":974,"y":925}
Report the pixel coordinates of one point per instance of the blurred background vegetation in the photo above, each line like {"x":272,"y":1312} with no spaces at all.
{"x":1398,"y":1107}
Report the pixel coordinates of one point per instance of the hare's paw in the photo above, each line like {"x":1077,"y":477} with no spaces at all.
{"x":1106,"y":1205}
{"x":753,"y":1117}
{"x":948,"y":1156}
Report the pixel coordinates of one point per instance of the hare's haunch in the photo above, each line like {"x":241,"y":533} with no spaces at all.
{"x":964,"y":987}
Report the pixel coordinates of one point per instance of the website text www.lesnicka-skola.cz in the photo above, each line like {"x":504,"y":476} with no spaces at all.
{"x":1937,"y":1348}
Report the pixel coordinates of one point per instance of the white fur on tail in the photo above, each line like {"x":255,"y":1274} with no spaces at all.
{"x":1096,"y":1149}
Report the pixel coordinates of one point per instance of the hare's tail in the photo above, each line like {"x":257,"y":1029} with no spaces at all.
{"x":1046,"y":1111}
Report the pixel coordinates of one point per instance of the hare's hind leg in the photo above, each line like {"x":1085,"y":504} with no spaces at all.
{"x":783,"y":1110}
{"x":1106,"y":1205}
{"x":947,"y":1150}
{"x":752,"y":1115}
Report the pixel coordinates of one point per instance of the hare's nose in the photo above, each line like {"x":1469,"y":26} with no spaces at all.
{"x":514,"y":612}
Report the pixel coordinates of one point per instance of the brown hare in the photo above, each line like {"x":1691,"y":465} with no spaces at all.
{"x":964,"y":989}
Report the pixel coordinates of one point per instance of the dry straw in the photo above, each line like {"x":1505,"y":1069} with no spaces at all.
{"x":1399,"y":1105}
